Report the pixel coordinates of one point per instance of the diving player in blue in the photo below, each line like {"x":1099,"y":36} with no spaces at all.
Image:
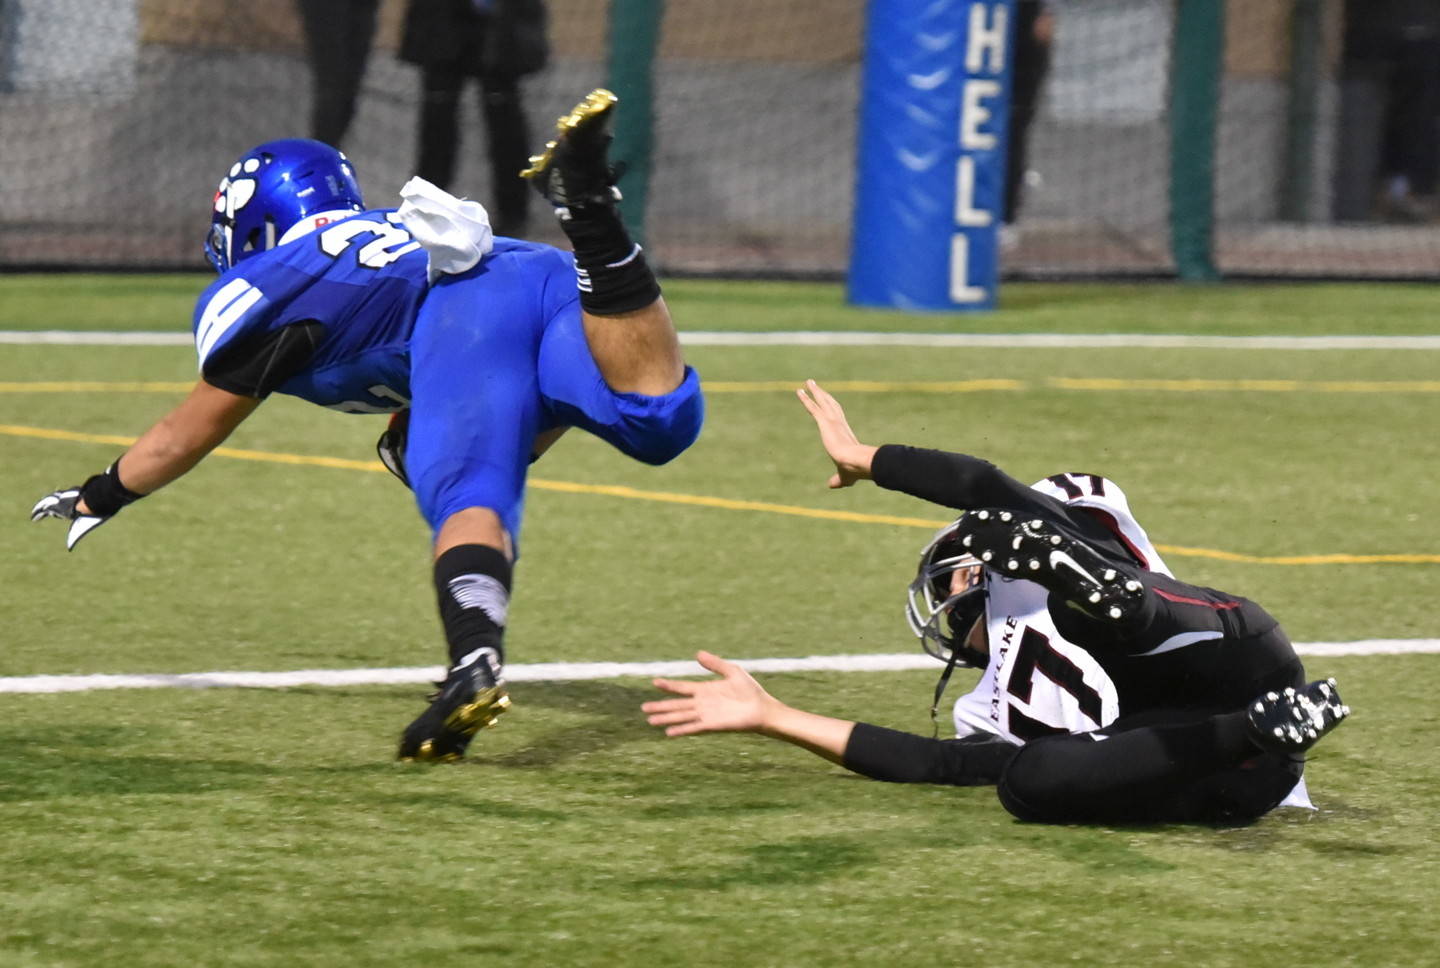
{"x":486,"y":350}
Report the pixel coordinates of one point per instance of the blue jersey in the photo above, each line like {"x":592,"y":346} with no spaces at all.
{"x":362,"y":279}
{"x":486,"y":360}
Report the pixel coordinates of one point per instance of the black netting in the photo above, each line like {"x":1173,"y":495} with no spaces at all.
{"x":117,"y":118}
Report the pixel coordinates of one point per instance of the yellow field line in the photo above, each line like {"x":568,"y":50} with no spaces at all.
{"x":1105,"y":384}
{"x":698,"y":500}
{"x":1262,"y":386}
{"x":729,"y":504}
{"x":1102,"y":384}
{"x":866,"y":386}
{"x":1330,"y":559}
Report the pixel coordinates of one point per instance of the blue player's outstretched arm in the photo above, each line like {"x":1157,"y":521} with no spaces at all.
{"x":175,"y":444}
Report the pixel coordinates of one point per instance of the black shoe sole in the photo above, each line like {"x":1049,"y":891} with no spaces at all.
{"x":1030,"y":548}
{"x":1295,"y":720}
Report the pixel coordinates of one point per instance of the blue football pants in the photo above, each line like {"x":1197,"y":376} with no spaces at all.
{"x":499,"y":355}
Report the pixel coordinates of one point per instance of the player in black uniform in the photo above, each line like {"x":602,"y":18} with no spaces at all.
{"x":1215,"y":714}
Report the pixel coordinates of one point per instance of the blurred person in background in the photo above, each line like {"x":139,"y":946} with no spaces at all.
{"x":338,"y":36}
{"x":495,"y":42}
{"x":1395,"y":44}
{"x":1034,"y":37}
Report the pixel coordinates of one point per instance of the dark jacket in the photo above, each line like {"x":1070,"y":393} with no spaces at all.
{"x":498,"y":38}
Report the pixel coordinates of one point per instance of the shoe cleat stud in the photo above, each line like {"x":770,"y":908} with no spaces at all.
{"x":1055,"y":539}
{"x":1115,"y":611}
{"x":966,"y":541}
{"x":1034,"y":564}
{"x":1006,"y":516}
{"x":1094,"y":598}
{"x":982,"y":515}
{"x":986,"y":555}
{"x":1012,"y":564}
{"x":1015,"y":544}
{"x":1109,"y":574}
{"x":1132,"y":586}
{"x":1036,"y":523}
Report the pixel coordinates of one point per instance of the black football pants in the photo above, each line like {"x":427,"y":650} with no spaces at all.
{"x":1171,"y":766}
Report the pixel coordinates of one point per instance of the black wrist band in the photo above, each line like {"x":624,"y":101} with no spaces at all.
{"x":104,"y":495}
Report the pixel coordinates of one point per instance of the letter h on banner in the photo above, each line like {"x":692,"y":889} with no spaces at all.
{"x":930,"y":180}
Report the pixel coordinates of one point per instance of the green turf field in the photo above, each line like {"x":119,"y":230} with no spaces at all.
{"x":270,"y":827}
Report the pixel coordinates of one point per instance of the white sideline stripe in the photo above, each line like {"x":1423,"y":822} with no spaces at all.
{"x":65,"y":337}
{"x":1064,"y":341}
{"x":950,"y":340}
{"x":574,"y":671}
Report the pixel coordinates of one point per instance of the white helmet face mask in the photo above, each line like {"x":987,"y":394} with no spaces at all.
{"x":946,"y":597}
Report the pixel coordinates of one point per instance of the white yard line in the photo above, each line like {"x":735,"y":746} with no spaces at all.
{"x":1064,"y":341}
{"x":573,"y":671}
{"x":932,"y":340}
{"x":66,"y":337}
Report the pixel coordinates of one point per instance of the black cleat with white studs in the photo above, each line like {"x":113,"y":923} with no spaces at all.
{"x":1015,"y":546}
{"x":1294,"y":720}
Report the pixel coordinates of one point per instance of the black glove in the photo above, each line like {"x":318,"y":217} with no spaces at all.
{"x":390,"y":448}
{"x":104,"y":495}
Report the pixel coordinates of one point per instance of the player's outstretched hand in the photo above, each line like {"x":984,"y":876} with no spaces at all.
{"x":733,"y":703}
{"x":852,"y":458}
{"x":63,"y":504}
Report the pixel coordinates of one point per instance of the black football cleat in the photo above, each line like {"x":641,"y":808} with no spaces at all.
{"x":1014,"y":546}
{"x":1294,"y":720}
{"x":471,"y":698}
{"x":573,"y":170}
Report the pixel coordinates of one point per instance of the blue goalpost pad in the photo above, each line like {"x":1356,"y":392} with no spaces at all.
{"x":934,"y":116}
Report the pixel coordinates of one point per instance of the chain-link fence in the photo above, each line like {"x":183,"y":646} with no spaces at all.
{"x":117,"y":118}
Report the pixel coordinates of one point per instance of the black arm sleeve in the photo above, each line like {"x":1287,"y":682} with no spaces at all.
{"x":896,"y":757}
{"x":254,"y":367}
{"x":956,"y":481}
{"x":965,"y":482}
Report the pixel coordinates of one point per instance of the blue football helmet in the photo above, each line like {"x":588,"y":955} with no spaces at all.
{"x":293,"y":183}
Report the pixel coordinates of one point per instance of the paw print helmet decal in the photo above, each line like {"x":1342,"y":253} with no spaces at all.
{"x":276,"y":192}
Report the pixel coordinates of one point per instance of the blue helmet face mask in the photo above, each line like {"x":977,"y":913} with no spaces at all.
{"x":294,"y":183}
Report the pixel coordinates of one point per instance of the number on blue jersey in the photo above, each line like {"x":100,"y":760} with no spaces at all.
{"x":390,"y":243}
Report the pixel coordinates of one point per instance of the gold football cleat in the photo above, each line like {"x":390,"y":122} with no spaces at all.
{"x":597,"y":104}
{"x":447,"y":742}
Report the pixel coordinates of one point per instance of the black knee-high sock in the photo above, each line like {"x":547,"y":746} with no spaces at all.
{"x":472,"y":583}
{"x":610,"y":268}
